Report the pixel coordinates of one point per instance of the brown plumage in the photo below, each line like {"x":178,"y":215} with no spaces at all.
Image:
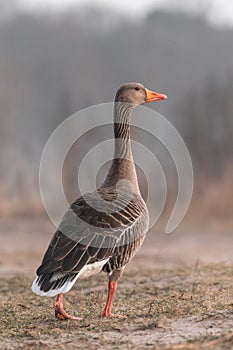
{"x":102,"y":230}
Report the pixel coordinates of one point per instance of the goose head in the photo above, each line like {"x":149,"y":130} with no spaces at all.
{"x":137,"y":94}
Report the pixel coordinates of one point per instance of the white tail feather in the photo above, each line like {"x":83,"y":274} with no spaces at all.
{"x":86,"y":271}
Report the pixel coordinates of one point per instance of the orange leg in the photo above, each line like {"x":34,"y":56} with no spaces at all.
{"x":112,"y":286}
{"x":60,"y":312}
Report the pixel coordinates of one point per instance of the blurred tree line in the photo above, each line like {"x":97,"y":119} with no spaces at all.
{"x":53,"y":66}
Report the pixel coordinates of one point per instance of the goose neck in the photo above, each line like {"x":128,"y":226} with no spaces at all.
{"x":122,"y":167}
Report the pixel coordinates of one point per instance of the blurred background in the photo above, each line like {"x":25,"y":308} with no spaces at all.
{"x":59,"y":57}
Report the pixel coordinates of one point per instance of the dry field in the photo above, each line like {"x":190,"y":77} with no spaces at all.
{"x":177,"y":294}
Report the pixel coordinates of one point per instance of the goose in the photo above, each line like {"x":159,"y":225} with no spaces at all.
{"x":101,"y":230}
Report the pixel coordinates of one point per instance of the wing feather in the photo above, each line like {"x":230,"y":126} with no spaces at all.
{"x":88,"y":235}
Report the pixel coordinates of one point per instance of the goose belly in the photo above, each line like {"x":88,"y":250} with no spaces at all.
{"x":92,"y":269}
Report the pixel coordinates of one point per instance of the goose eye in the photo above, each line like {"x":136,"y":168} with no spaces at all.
{"x":137,"y":88}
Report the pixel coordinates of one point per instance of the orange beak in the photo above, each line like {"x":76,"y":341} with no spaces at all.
{"x":152,"y":96}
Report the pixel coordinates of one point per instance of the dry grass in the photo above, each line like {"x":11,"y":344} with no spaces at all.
{"x":182,"y":309}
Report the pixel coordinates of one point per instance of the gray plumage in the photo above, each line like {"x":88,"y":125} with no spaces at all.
{"x":104,"y":228}
{"x":87,"y":235}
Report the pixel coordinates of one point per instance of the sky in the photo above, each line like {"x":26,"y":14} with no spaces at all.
{"x":217,"y":11}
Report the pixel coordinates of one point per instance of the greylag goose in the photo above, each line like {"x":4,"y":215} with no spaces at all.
{"x":102,"y":230}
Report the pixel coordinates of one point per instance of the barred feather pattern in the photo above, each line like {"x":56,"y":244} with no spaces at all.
{"x":87,"y":235}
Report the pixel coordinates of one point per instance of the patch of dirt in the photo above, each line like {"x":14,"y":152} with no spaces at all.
{"x":174,"y":331}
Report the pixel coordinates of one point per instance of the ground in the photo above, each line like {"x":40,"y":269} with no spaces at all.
{"x":177,"y":294}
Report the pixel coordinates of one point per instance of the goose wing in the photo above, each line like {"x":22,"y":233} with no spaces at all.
{"x":91,"y":230}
